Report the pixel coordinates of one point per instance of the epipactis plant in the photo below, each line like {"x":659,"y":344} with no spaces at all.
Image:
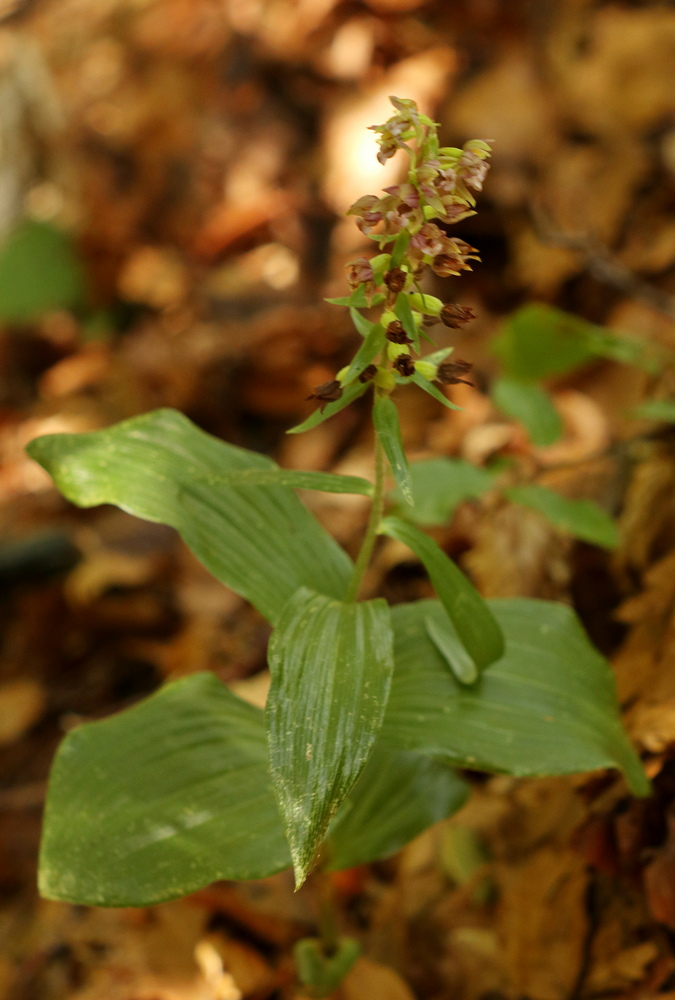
{"x":370,"y":708}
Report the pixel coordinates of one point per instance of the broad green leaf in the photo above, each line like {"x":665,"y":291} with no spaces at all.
{"x":538,"y":341}
{"x":399,"y":794}
{"x":440,"y":484}
{"x":350,"y":393}
{"x":403,"y":310}
{"x":433,"y":390}
{"x":532,"y":406}
{"x":39,"y":272}
{"x":471,"y":616}
{"x":331,"y":665}
{"x":324,"y":482}
{"x":446,"y":640}
{"x":580,"y":518}
{"x":388,"y":429}
{"x":367,"y":352}
{"x":260,"y":541}
{"x":548,"y":706}
{"x":160,"y":800}
{"x":662,"y":410}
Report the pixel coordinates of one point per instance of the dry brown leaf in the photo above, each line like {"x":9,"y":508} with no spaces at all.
{"x":543,"y":922}
{"x":22,"y":703}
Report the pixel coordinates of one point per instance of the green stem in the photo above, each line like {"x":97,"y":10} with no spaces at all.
{"x":368,"y":543}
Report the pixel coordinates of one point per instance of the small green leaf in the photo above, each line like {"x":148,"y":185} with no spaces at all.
{"x":160,"y":800}
{"x":548,"y":706}
{"x":367,"y":353}
{"x":320,"y":972}
{"x":348,"y":396}
{"x":399,"y":794}
{"x":260,"y":541}
{"x":538,"y":341}
{"x":433,"y":390}
{"x":357,"y":299}
{"x":580,"y":518}
{"x":453,"y":651}
{"x":331,"y":665}
{"x":325,"y":482}
{"x":362,"y":325}
{"x":39,"y":272}
{"x":440,"y":484}
{"x":388,"y":429}
{"x":662,"y":410}
{"x":473,"y":620}
{"x":532,"y":406}
{"x":400,"y":248}
{"x":403,"y":310}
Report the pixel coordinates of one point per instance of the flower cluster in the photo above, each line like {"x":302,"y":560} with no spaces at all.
{"x":401,"y":223}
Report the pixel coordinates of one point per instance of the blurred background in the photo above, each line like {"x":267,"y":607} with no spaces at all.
{"x":173,"y":181}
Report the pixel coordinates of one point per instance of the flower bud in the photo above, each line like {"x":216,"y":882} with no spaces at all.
{"x":327,"y":392}
{"x":404,"y":365}
{"x":384,"y":380}
{"x":450,"y":371}
{"x":427,"y":369}
{"x":395,"y":334}
{"x":395,"y":350}
{"x":427,"y":304}
{"x":368,"y":374}
{"x":455,"y":316}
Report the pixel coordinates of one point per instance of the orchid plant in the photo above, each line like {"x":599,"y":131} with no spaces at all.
{"x":371,"y":708}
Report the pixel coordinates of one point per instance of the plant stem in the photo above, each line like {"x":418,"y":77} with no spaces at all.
{"x":327,"y":914}
{"x":368,"y":543}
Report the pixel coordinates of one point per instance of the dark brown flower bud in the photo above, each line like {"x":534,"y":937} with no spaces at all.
{"x":327,"y":392}
{"x":368,"y":374}
{"x":404,"y":365}
{"x":396,"y":334}
{"x":395,"y":279}
{"x":449,"y":372}
{"x":455,"y":316}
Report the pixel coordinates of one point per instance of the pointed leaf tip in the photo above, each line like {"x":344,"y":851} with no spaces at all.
{"x":331,"y":665}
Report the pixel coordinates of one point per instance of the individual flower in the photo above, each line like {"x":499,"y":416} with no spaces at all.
{"x":359,"y":272}
{"x":368,"y":212}
{"x":472,"y":169}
